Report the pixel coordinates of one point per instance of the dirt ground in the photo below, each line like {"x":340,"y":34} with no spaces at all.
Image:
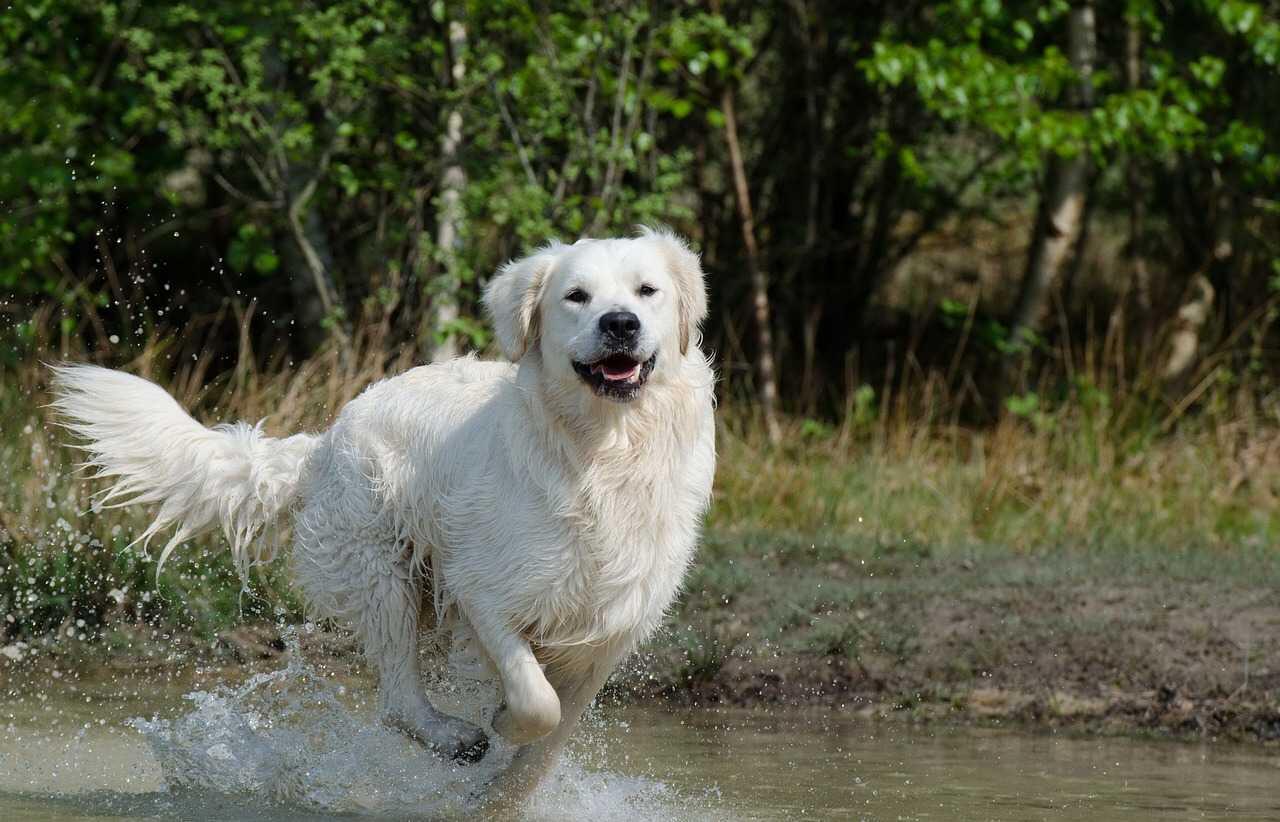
{"x":1166,"y":645}
{"x":1099,"y":644}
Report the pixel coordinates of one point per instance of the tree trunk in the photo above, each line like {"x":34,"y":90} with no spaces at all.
{"x":1137,"y":255}
{"x":1186,"y":342}
{"x":1062,"y":205}
{"x":1188,"y":327}
{"x":874,"y":265}
{"x":308,"y":306}
{"x":308,"y":260}
{"x":759,"y":280}
{"x":444,"y":305}
{"x":1071,"y":275}
{"x":813,"y":191}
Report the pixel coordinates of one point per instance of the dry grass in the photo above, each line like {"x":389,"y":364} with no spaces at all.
{"x":1016,"y":486}
{"x":1091,"y":448}
{"x":1103,"y":464}
{"x":63,"y":563}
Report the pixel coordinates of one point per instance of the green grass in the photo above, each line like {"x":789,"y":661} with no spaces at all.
{"x":800,"y":538}
{"x":1012,"y":486}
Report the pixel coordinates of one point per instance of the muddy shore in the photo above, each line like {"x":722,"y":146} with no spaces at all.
{"x":1178,"y":645}
{"x":1186,"y":647}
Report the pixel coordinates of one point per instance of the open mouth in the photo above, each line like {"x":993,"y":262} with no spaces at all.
{"x":617,"y":376}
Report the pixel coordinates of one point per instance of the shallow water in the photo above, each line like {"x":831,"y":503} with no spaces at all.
{"x":293,"y":745}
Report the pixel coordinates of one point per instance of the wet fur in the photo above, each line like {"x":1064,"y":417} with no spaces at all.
{"x":553,"y":525}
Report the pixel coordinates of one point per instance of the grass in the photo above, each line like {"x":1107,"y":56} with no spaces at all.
{"x":66,"y":568}
{"x":1015,"y":486}
{"x":914,"y":563}
{"x":895,"y":547}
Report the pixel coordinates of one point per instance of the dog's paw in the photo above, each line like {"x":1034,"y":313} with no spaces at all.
{"x":448,"y":737}
{"x":469,"y":753}
{"x":530,"y":709}
{"x":521,"y":728}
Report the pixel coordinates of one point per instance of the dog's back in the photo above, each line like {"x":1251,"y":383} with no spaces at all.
{"x":379,"y":478}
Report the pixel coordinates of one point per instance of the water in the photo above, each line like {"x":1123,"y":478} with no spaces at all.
{"x":292,"y":745}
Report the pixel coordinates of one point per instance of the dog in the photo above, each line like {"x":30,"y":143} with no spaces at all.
{"x":548,"y":506}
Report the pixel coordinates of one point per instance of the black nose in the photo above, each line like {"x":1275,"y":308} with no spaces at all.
{"x":622,"y":326}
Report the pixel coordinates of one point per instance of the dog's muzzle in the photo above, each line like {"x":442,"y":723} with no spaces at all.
{"x":618,"y":375}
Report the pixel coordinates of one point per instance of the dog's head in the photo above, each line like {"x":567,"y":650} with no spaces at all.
{"x":607,"y":314}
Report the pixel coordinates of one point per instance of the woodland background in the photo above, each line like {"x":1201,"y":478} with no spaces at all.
{"x":995,"y":289}
{"x":954,"y":188}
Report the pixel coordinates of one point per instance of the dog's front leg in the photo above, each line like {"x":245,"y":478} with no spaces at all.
{"x":531,"y":706}
{"x":577,"y":688}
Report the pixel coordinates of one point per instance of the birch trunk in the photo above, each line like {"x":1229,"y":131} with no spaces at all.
{"x":1062,"y":205}
{"x":1188,"y":328}
{"x":444,"y":306}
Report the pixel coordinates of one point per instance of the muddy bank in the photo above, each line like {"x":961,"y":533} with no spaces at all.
{"x":1183,"y":645}
{"x":1178,"y":645}
{"x":1087,"y":707}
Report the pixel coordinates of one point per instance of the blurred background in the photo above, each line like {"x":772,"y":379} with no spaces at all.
{"x":994,"y":301}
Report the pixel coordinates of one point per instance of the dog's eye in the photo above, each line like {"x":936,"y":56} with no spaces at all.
{"x":577,"y":295}
{"x":647,"y":291}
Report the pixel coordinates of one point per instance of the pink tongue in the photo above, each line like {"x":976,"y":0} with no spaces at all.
{"x":617,"y":374}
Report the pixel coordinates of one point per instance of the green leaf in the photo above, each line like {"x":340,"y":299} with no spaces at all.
{"x":266,"y":262}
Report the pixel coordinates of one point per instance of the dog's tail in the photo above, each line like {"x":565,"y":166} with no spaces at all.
{"x":154,"y":452}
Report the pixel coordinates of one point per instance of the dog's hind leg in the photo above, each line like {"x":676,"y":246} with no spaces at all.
{"x":387,"y":622}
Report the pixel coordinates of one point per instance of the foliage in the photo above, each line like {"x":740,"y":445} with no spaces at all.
{"x":161,"y":162}
{"x":999,"y":68}
{"x":177,"y":132}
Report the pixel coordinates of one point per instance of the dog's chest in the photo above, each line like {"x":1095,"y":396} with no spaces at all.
{"x":628,"y":532}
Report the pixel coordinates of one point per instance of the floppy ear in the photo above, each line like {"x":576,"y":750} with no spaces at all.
{"x":511,"y":299}
{"x":691,"y":288}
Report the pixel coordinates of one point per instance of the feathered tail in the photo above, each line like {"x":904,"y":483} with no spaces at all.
{"x":229,"y":475}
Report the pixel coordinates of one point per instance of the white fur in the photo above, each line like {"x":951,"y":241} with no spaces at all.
{"x":553,"y":524}
{"x":229,"y":475}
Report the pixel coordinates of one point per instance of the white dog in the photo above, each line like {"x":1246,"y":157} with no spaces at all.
{"x":550,"y":507}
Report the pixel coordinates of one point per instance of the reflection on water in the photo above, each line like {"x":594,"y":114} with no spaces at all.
{"x":288,"y":745}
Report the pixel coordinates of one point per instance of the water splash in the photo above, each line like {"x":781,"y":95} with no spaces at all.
{"x":296,"y":740}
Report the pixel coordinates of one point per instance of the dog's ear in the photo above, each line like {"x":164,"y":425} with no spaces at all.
{"x":691,"y":288}
{"x":511,"y":299}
